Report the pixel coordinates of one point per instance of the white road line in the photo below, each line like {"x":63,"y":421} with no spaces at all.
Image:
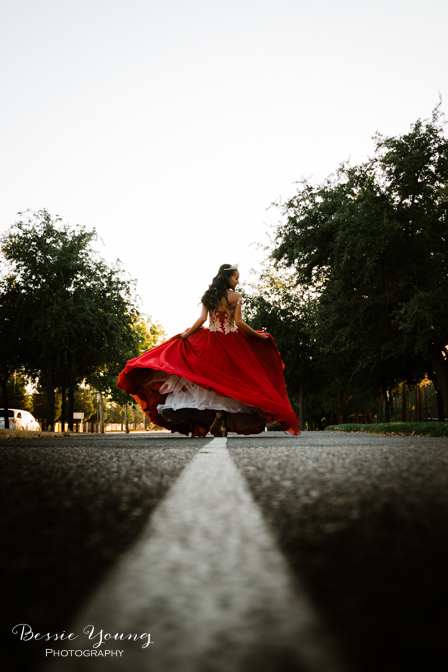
{"x":209,"y":584}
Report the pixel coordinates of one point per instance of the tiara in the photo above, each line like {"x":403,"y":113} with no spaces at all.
{"x":234,"y":267}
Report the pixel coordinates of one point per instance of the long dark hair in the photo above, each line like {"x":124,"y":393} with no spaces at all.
{"x":218,"y":289}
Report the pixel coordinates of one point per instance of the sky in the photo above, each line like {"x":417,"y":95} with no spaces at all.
{"x":171,"y":127}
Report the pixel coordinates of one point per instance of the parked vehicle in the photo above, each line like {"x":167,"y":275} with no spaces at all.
{"x":19,"y":419}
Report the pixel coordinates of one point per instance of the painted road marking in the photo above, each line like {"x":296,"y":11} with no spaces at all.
{"x":207,"y":581}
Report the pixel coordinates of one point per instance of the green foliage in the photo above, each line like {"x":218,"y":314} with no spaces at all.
{"x":39,"y":400}
{"x":145,"y":335}
{"x":12,"y":347}
{"x":18,"y":396}
{"x":277,"y":305}
{"x":79,"y":310}
{"x":85,"y":402}
{"x":113,"y":413}
{"x":370,"y":245}
{"x":148,"y":333}
{"x":289,"y":312}
{"x":400,"y":428}
{"x":74,"y":315}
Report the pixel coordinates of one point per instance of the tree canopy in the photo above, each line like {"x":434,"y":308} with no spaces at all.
{"x":66,"y":314}
{"x":371,"y":244}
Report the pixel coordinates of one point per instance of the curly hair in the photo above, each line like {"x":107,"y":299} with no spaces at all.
{"x":217,"y":290}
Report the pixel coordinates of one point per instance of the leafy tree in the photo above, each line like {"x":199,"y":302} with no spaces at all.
{"x":78,"y":311}
{"x":18,"y":395}
{"x":318,"y":383}
{"x":40,"y":405}
{"x":149,"y":333}
{"x":85,"y":402}
{"x":12,"y":328}
{"x":145,"y":335}
{"x":372,"y":243}
{"x":275,"y":304}
{"x":113,"y":413}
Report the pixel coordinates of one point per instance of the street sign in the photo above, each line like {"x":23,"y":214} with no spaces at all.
{"x":78,"y":416}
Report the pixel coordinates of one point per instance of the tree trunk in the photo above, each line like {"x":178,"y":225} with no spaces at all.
{"x":63,"y":409}
{"x":71,"y":406}
{"x":440,"y":407}
{"x":50,"y":403}
{"x":405,"y":403}
{"x":439,"y":400}
{"x":390,"y":397}
{"x":97,"y":411}
{"x":126,"y":423}
{"x":386,"y":405}
{"x":440,"y":368}
{"x":101,"y":414}
{"x":301,"y":411}
{"x":338,"y":407}
{"x":5,"y":401}
{"x":420,"y":403}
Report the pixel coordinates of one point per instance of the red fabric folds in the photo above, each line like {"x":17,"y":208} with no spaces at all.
{"x":234,"y":365}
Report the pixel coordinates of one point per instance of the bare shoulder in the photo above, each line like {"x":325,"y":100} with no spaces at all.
{"x":233,"y":297}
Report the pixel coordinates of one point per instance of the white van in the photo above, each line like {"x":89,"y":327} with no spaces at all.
{"x":19,"y":419}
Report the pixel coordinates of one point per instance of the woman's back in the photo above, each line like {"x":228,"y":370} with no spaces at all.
{"x":231,"y":298}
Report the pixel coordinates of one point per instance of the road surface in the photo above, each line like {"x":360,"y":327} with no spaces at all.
{"x":316,"y":553}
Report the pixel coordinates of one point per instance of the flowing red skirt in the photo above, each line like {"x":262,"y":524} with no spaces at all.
{"x":232,"y":365}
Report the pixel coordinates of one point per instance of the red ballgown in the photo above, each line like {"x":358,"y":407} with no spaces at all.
{"x":180,"y":384}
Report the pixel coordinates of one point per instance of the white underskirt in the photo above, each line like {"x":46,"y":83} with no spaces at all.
{"x":183,"y":393}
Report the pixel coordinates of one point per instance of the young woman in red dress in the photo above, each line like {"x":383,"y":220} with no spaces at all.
{"x":224,"y":378}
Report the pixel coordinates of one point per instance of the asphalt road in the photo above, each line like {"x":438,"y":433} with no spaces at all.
{"x":361,"y":519}
{"x":363,"y":522}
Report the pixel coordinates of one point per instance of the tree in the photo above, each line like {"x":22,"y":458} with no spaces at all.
{"x":12,"y":348}
{"x":40,"y":405}
{"x":372,"y":243}
{"x":85,"y":402}
{"x":318,"y":382}
{"x":145,"y":335}
{"x":275,"y":304}
{"x":17,"y":393}
{"x":78,"y":311}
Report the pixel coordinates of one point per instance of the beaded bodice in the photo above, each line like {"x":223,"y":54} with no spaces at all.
{"x":224,"y":320}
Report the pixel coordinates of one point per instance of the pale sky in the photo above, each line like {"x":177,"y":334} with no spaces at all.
{"x":170,"y":126}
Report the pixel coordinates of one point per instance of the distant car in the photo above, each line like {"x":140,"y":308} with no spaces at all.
{"x":19,"y":419}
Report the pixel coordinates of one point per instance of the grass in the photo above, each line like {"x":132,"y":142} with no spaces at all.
{"x":397,"y":428}
{"x":6,"y":434}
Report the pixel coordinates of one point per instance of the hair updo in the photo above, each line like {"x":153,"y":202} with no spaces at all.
{"x":218,"y":288}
